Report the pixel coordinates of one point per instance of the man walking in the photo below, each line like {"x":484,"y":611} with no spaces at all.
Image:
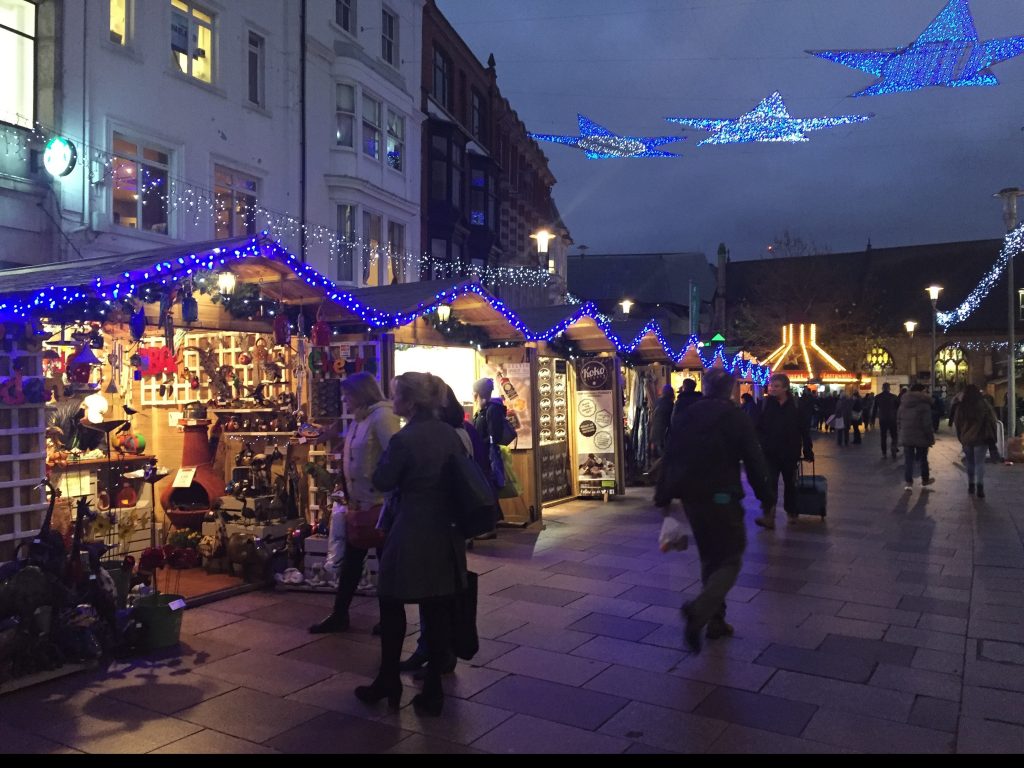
{"x":662,"y":418}
{"x":914,"y":422}
{"x":702,"y":468}
{"x":885,"y":408}
{"x":688,"y":395}
{"x":783,"y":432}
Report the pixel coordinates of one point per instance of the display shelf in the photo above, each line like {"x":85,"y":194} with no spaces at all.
{"x":219,"y":409}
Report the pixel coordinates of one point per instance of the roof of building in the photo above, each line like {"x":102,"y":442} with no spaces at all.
{"x":893,"y":280}
{"x":647,"y":278}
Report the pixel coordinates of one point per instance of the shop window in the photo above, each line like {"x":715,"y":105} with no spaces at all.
{"x":345,"y":101}
{"x":119,"y":22}
{"x":140,"y":185}
{"x":235,"y":203}
{"x":396,"y":139}
{"x":257,"y":53}
{"x":372,"y":235}
{"x":389,"y":37}
{"x":442,"y":89}
{"x":192,"y":40}
{"x":345,"y":271}
{"x":952,"y":371}
{"x":371,"y":127}
{"x":17,"y":62}
{"x":396,"y":253}
{"x":477,"y":115}
{"x":345,"y":15}
{"x":877,"y":361}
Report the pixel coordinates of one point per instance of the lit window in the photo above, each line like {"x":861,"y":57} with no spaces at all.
{"x":346,"y":114}
{"x":371,"y":127}
{"x":257,"y":46}
{"x":372,"y":226}
{"x":140,"y":188}
{"x":17,"y":62}
{"x":478,"y":198}
{"x":235,"y":203}
{"x":192,"y":40}
{"x":345,"y":14}
{"x":346,"y":243}
{"x":396,"y":254}
{"x":119,"y":22}
{"x":389,"y":37}
{"x":878,"y":360}
{"x":396,"y":139}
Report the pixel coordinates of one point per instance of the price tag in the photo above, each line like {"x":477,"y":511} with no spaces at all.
{"x":184,"y":477}
{"x":176,"y":605}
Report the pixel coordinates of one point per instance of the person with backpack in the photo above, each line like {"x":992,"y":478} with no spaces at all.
{"x":914,"y":426}
{"x":976,"y":428}
{"x":702,"y":468}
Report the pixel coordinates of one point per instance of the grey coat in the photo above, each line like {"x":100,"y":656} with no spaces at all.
{"x":914,"y":420}
{"x":423,"y":555}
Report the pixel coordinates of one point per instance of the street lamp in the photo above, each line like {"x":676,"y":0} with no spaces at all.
{"x":626,"y":304}
{"x":444,"y":311}
{"x":543,"y":237}
{"x":933,"y":294}
{"x":910,"y":325}
{"x":226,"y":282}
{"x":1009,"y":196}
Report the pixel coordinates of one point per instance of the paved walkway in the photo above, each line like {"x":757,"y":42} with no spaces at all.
{"x":895,"y":626}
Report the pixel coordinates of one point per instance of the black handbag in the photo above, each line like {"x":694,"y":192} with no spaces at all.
{"x":464,"y":635}
{"x":474,"y":502}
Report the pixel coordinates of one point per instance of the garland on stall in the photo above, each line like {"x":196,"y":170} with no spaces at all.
{"x":458,"y":332}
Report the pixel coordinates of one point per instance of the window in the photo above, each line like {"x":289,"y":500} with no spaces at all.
{"x":878,"y":360}
{"x":372,"y":224}
{"x":371,"y":127}
{"x":345,"y":100}
{"x":17,"y":55}
{"x":119,"y":22}
{"x":345,"y":15}
{"x":257,"y":46}
{"x":478,"y":198}
{"x":389,"y":37}
{"x":442,"y":79}
{"x":235,"y":203}
{"x":456,"y":165}
{"x":396,"y":253}
{"x":346,"y":244}
{"x":396,"y":139}
{"x":477,"y":115}
{"x":192,"y":40}
{"x":952,"y":371}
{"x":439,"y":168}
{"x":140,"y":188}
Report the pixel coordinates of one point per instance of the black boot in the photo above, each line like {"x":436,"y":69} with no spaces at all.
{"x":336,"y":622}
{"x":416,"y":661}
{"x":381,"y":689}
{"x":970,"y":487}
{"x":981,"y":491}
{"x":431,"y":701}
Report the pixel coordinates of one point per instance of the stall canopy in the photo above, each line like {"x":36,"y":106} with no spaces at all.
{"x":802,"y":359}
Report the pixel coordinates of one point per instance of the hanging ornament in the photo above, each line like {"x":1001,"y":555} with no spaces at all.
{"x":321,"y":331}
{"x":282,"y":330}
{"x":137,"y":324}
{"x":189,"y":309}
{"x":169,"y":333}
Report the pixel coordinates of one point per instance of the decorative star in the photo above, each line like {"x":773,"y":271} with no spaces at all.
{"x":598,"y":143}
{"x":948,"y":53}
{"x":768,"y":121}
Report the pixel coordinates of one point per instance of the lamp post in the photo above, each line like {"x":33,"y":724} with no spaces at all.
{"x":626,"y":304}
{"x":1009,"y":197}
{"x":910,"y":325}
{"x":933,"y":294}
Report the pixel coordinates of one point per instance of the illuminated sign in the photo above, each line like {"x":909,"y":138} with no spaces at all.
{"x":59,"y":157}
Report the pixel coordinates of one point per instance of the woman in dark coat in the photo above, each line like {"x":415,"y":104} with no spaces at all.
{"x":423,"y":559}
{"x":976,"y":428}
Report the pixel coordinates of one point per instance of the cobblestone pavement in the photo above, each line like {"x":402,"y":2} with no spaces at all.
{"x":897,"y":625}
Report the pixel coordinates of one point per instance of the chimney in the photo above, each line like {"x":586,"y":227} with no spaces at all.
{"x":719,"y":314}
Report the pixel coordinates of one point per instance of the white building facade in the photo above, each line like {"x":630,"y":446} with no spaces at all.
{"x":195,"y":121}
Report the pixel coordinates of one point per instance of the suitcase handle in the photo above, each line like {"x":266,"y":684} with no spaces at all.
{"x":800,"y":466}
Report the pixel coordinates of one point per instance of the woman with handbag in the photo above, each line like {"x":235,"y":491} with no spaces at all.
{"x":370,"y":433}
{"x":423,"y":559}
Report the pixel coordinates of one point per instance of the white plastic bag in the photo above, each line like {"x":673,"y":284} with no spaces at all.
{"x":336,"y":538}
{"x":673,"y":533}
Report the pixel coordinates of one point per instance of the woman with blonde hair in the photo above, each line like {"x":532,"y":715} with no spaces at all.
{"x":368,"y":436}
{"x":423,"y":559}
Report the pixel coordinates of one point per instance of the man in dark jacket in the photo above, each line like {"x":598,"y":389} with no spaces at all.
{"x":885,"y":408}
{"x":783,"y":432}
{"x":702,"y":468}
{"x":662,"y":418}
{"x":914,"y":421}
{"x":688,"y":395}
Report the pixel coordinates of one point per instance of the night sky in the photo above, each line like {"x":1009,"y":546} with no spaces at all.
{"x":922,"y":171}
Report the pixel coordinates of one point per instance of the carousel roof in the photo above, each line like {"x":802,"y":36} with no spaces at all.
{"x":802,"y":359}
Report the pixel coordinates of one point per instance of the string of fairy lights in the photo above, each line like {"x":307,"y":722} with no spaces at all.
{"x":1012,"y":245}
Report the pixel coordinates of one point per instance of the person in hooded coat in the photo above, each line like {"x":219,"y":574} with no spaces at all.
{"x":916,"y":433}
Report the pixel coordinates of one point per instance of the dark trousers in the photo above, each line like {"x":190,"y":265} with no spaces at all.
{"x":788,"y":471}
{"x":721,"y":539}
{"x":843,"y":434}
{"x":437,"y":626}
{"x":855,"y":426}
{"x":910,"y":455}
{"x":887,"y":429}
{"x":348,"y":580}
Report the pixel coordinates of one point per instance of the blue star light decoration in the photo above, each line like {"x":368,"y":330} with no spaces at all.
{"x":598,"y":143}
{"x":948,"y":53}
{"x":768,"y":121}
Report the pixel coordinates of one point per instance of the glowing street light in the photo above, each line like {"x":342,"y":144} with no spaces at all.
{"x":226,"y":282}
{"x":910,"y":325}
{"x":933,"y":294}
{"x":626,"y":304}
{"x":444,"y":311}
{"x":543,"y":237}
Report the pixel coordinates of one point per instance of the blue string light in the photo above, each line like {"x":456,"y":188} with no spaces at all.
{"x":598,"y":143}
{"x":948,"y":53}
{"x":373,"y":318}
{"x":768,"y":121}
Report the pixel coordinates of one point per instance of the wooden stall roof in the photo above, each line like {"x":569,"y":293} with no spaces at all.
{"x":650,"y":348}
{"x":584,"y":331}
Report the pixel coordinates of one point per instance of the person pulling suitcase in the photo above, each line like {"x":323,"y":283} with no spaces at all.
{"x":783,"y":433}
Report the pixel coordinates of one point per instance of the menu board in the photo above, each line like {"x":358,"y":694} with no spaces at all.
{"x":595,"y":425}
{"x":553,"y":411}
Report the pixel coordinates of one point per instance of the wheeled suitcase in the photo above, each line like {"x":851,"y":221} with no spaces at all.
{"x":811,"y":492}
